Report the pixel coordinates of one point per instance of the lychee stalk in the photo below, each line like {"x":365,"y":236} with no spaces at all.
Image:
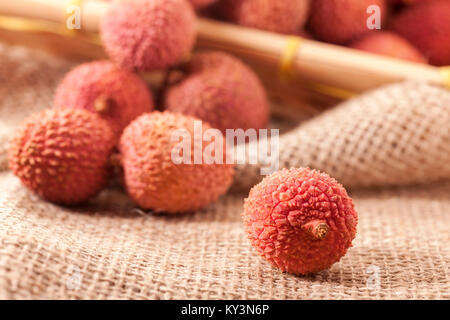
{"x":317,"y":229}
{"x":102,"y":104}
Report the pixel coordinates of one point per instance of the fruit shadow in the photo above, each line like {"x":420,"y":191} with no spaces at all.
{"x":437,"y":191}
{"x":373,"y":273}
{"x":114,"y":202}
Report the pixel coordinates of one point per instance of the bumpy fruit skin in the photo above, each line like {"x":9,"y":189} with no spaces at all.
{"x":148,"y":35}
{"x":286,"y":16}
{"x":389,"y":44}
{"x":341,"y":21}
{"x":63,"y":155}
{"x":116,"y":94}
{"x":427,"y":27}
{"x":222,"y":91}
{"x":154,"y":181}
{"x":284,"y":206}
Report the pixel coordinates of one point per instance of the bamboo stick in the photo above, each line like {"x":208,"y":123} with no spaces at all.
{"x":335,"y":65}
{"x":56,"y":11}
{"x":332,"y":65}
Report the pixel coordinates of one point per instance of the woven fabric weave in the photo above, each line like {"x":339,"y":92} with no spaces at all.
{"x":396,"y":135}
{"x":107,"y":249}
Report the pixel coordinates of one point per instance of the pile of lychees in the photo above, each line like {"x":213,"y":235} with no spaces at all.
{"x":415,"y":30}
{"x":104,"y":112}
{"x":301,"y":220}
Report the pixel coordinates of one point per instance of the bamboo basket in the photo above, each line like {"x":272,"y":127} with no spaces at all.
{"x":302,"y":82}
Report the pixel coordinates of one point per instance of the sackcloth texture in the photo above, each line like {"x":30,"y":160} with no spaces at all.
{"x":390,"y":146}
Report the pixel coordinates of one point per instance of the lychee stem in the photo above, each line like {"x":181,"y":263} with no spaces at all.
{"x":102,"y":104}
{"x":318,"y":229}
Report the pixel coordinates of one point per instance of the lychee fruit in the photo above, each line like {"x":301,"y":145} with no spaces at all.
{"x":287,"y":16}
{"x":221,"y":90}
{"x":300,"y":220}
{"x":148,"y":34}
{"x":116,"y":94}
{"x":63,"y":155}
{"x":406,"y":2}
{"x":427,"y":27}
{"x":168,"y":168}
{"x":342,"y":21}
{"x":200,"y":4}
{"x":389,"y":44}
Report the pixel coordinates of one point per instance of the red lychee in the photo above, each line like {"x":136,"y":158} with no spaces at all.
{"x":389,"y":44}
{"x":63,"y":155}
{"x":427,"y":27}
{"x":300,"y":220}
{"x":199,"y":4}
{"x":287,"y":16}
{"x":342,"y":21}
{"x":148,"y":34}
{"x":406,"y":2}
{"x":116,"y":94}
{"x":221,"y":90}
{"x":156,"y":180}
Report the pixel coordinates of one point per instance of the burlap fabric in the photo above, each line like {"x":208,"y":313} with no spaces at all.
{"x":108,"y":249}
{"x":395,"y":135}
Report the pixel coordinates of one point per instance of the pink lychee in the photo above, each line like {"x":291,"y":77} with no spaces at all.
{"x":148,"y":34}
{"x":63,"y":154}
{"x":222,"y":91}
{"x":300,"y":220}
{"x":157,"y":181}
{"x":287,"y":16}
{"x":116,"y":94}
{"x":389,"y":44}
